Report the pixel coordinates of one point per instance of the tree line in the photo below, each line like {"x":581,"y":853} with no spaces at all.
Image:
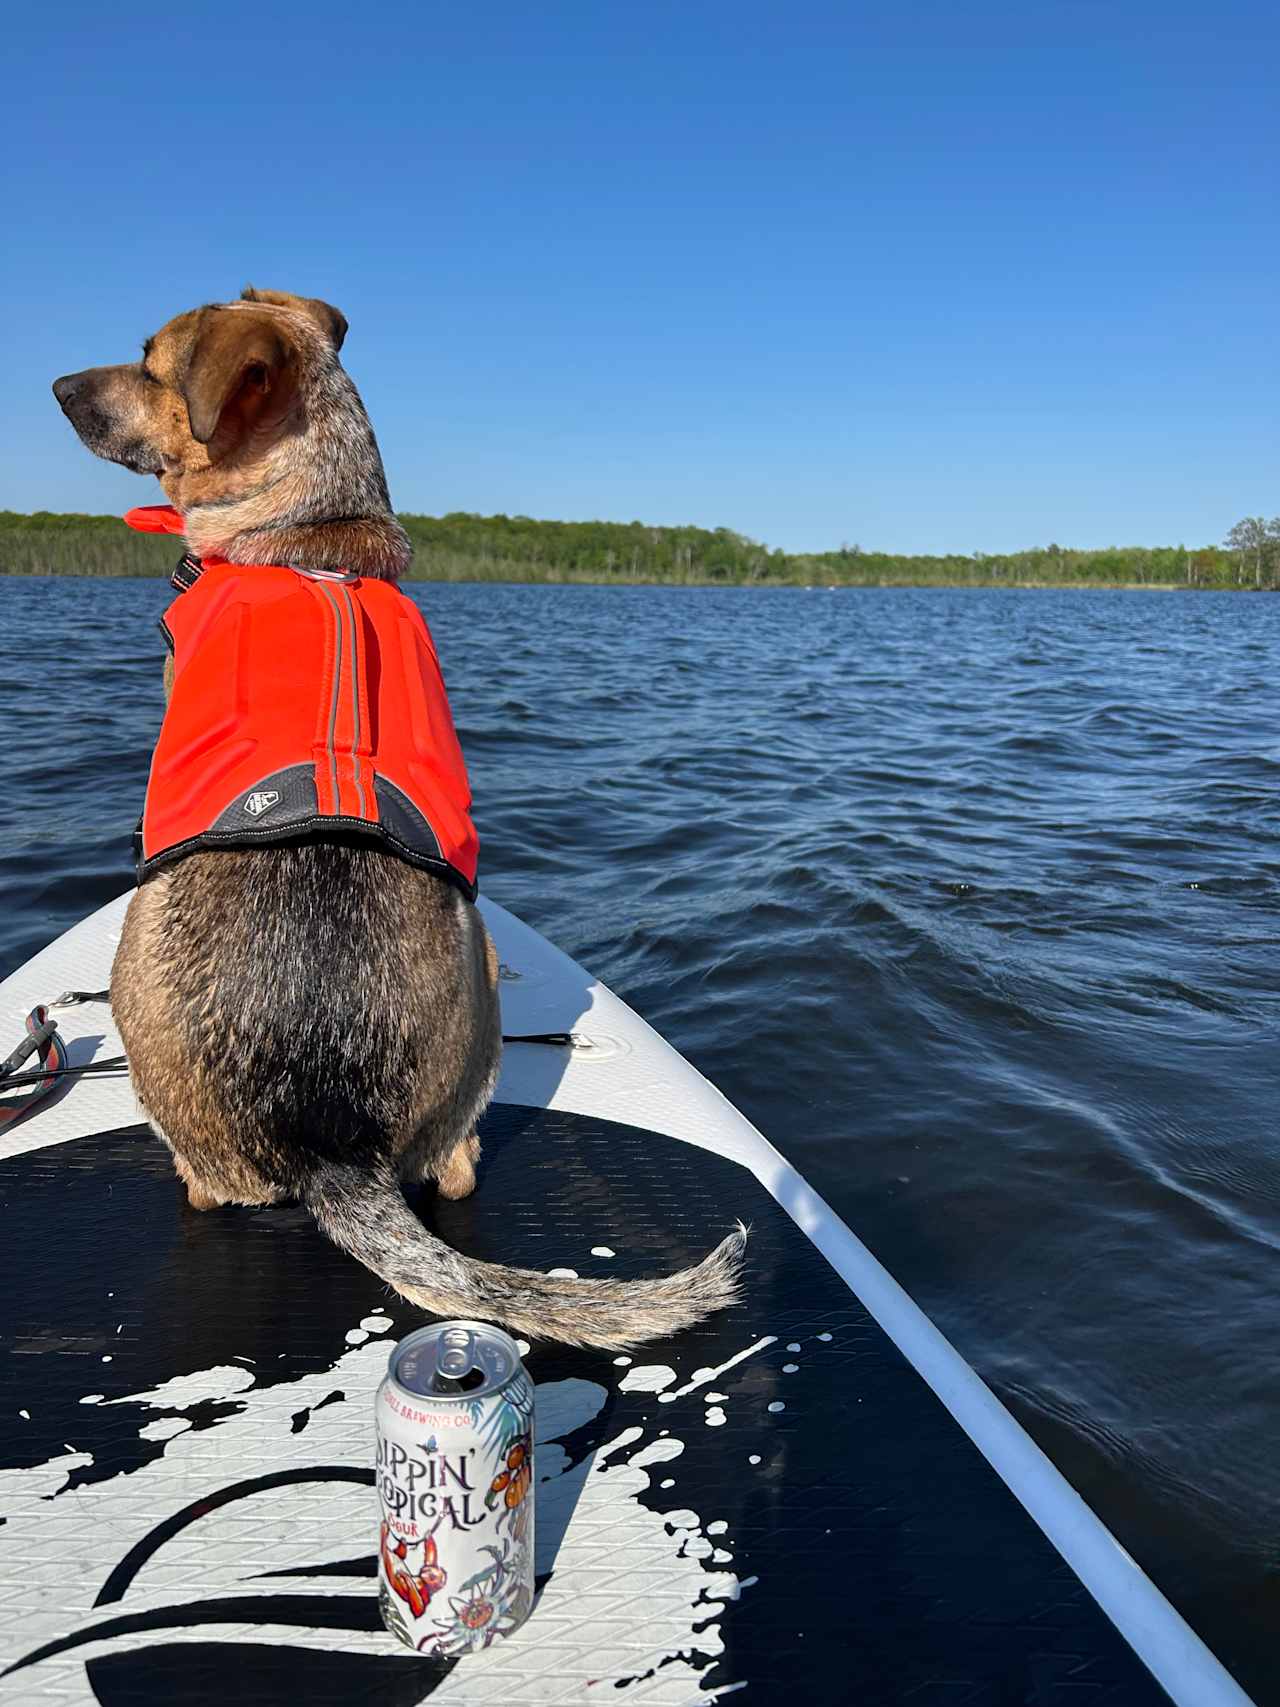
{"x":465,"y":547}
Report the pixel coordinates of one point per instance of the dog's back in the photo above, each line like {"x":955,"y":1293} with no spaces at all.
{"x":321,"y":1022}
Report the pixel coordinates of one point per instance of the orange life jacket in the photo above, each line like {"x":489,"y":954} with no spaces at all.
{"x":302,"y":703}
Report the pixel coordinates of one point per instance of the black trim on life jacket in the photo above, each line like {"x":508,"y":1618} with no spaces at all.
{"x":296,"y":817}
{"x":320,"y":830}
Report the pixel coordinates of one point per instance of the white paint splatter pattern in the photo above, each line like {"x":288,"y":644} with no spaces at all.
{"x":164,"y":1428}
{"x":657,"y":1452}
{"x":223,"y":1381}
{"x":591,"y":1516}
{"x":647,"y":1378}
{"x":683,"y":1519}
{"x":702,"y":1376}
{"x":602,"y":1251}
{"x":715,"y":1417}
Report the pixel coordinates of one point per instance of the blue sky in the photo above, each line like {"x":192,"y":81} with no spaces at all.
{"x":921,"y":277}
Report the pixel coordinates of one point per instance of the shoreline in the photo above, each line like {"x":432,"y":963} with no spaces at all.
{"x":519,"y":550}
{"x":552,"y":579}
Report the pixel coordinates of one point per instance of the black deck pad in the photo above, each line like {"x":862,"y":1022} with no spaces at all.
{"x":893,"y":1566}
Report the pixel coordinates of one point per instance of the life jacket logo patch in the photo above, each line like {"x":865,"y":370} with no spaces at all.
{"x":261,"y":800}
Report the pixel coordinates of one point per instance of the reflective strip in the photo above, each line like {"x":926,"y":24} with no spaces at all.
{"x":355,"y":702}
{"x":330,"y":747}
{"x":346,"y":656}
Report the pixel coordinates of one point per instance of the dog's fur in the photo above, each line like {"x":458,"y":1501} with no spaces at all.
{"x":318,"y":1021}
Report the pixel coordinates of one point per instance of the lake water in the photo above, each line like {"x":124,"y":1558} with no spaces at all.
{"x":970,"y":899}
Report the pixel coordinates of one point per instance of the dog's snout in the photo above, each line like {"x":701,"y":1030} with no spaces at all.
{"x":68,"y":388}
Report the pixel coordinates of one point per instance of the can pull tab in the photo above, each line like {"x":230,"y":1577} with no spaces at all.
{"x":458,"y":1357}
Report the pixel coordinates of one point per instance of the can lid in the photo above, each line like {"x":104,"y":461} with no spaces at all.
{"x":454,"y":1360}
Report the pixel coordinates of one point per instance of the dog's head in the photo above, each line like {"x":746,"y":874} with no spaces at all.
{"x":211,"y":383}
{"x":257,"y":435}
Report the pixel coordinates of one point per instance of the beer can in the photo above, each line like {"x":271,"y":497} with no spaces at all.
{"x":455,"y":1482}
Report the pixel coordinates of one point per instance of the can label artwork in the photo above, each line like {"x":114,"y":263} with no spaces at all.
{"x":455,"y":1483}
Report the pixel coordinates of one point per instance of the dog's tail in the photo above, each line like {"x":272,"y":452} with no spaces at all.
{"x":364,"y":1211}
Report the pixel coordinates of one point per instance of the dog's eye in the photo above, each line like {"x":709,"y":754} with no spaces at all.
{"x":149,"y":376}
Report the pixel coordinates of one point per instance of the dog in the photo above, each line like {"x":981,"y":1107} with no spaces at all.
{"x":319,"y":1020}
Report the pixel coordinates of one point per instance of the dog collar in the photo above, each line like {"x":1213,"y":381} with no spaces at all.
{"x":163,"y":518}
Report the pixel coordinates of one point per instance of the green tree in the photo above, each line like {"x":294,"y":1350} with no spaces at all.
{"x":1249,"y":540}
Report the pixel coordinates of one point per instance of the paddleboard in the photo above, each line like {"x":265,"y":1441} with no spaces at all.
{"x":809,"y":1495}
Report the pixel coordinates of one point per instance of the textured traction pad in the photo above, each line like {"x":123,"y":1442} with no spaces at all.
{"x":188,"y":1504}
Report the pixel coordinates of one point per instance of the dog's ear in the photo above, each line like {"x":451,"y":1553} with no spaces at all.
{"x":331,"y":321}
{"x":239,"y":362}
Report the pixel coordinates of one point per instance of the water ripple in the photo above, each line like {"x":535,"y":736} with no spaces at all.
{"x":971,"y":900}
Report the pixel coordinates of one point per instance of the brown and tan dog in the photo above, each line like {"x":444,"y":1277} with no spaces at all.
{"x":318,"y":1021}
